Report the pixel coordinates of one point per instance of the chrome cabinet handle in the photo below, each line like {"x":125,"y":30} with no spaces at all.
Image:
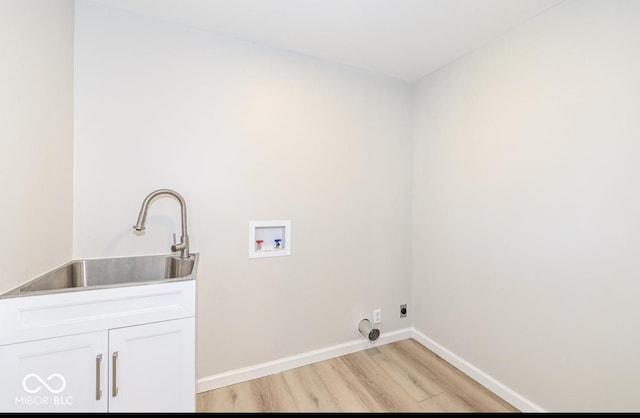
{"x":114,"y":384}
{"x":98,"y":368}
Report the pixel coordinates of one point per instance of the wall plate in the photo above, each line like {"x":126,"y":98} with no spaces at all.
{"x":269,"y":238}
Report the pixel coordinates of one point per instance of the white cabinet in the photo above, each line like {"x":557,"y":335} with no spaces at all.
{"x":54,"y":375}
{"x":112,"y":350}
{"x":151,"y":367}
{"x":144,"y":368}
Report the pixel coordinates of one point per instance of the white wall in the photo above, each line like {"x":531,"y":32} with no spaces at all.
{"x":245,"y":133}
{"x":527,"y":207}
{"x":36,"y":137}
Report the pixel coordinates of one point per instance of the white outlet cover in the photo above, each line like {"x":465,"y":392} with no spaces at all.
{"x":377,"y":316}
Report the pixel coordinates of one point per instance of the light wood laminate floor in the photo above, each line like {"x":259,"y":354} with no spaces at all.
{"x":399,"y":377}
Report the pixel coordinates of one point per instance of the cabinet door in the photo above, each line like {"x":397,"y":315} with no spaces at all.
{"x":65,"y":374}
{"x":152,"y":367}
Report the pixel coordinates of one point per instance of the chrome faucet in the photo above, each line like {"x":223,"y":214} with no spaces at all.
{"x":183,"y":245}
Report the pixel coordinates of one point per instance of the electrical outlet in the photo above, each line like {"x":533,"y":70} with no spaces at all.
{"x":377,"y":316}
{"x":403,"y":310}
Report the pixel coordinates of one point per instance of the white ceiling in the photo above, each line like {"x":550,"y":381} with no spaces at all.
{"x":406,"y":39}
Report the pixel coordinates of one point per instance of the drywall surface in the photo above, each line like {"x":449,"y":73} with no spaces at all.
{"x":36,"y":138}
{"x":245,"y":133}
{"x":526,"y":207}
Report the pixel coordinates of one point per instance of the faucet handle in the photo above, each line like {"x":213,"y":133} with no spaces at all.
{"x":177,"y":246}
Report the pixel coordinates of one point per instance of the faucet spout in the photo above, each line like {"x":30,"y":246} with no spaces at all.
{"x":183,"y":245}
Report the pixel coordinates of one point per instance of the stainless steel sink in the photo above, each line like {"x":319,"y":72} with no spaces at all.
{"x":110,"y":272}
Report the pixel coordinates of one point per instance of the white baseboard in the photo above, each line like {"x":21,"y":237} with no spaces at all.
{"x":264,"y":369}
{"x":515,"y":399}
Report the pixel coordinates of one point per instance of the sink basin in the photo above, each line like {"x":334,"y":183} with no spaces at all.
{"x":110,"y":272}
